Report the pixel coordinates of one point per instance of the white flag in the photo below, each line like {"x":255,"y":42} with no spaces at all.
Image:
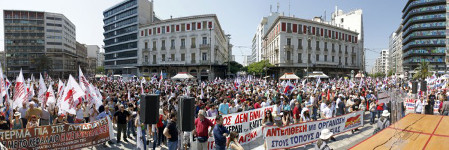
{"x":50,"y":96}
{"x":42,"y":91}
{"x":70,"y":98}
{"x":19,"y":91}
{"x":3,"y":89}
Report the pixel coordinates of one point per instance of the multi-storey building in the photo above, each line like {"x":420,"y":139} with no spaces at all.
{"x":265,"y":23}
{"x":100,"y":59}
{"x":81,"y":57}
{"x":193,"y":44}
{"x":39,"y":42}
{"x":395,"y":51}
{"x":424,"y":34}
{"x":93,"y":51}
{"x":121,"y":25}
{"x":295,"y":45}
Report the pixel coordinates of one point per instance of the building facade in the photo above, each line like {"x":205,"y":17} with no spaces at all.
{"x":92,"y":58}
{"x":395,"y":51}
{"x":194,"y":44}
{"x":262,"y":27}
{"x":39,"y":42}
{"x":295,"y":45}
{"x":121,"y":26}
{"x":81,"y":57}
{"x":424,"y":34}
{"x":381,"y":65}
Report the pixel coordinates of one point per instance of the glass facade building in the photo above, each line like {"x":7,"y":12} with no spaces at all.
{"x":121,"y":24}
{"x":424,"y":34}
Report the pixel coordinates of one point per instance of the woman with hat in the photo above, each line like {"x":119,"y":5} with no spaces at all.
{"x":33,"y":122}
{"x":321,"y":144}
{"x":17,"y":122}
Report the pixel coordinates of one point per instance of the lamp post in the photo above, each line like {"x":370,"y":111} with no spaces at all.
{"x":210,"y":54}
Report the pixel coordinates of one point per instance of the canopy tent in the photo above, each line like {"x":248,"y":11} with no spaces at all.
{"x":100,"y":75}
{"x":445,"y":76}
{"x":182,"y":75}
{"x":317,"y":74}
{"x":289,"y":76}
{"x":360,"y":75}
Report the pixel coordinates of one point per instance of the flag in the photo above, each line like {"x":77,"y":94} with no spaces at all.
{"x":60,"y":87}
{"x":288,"y":87}
{"x":3,"y":89}
{"x":19,"y":91}
{"x":84,"y":84}
{"x":70,"y":98}
{"x":141,"y":87}
{"x":41,"y":97}
{"x":50,"y":98}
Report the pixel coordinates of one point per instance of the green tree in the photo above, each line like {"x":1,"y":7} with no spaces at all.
{"x":235,"y":67}
{"x":43,"y":63}
{"x":244,"y":69}
{"x":390,"y":73}
{"x":258,"y":67}
{"x":100,"y":70}
{"x":422,"y":71}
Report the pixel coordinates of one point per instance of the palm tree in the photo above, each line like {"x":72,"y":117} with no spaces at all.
{"x":422,"y":71}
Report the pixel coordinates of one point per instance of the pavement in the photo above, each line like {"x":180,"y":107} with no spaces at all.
{"x":343,"y":141}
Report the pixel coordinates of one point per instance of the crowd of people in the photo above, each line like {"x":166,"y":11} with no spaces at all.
{"x":293,"y":102}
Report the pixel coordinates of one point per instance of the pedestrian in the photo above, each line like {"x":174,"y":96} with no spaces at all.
{"x":33,"y":122}
{"x":372,"y":110}
{"x":171,"y":132}
{"x":445,"y":108}
{"x":297,"y":113}
{"x":17,"y":122}
{"x":220,"y":133}
{"x":419,"y":106}
{"x":131,"y":130}
{"x":121,"y":118}
{"x":201,"y":131}
{"x":60,"y":119}
{"x":233,"y":143}
{"x":322,"y":142}
{"x":383,"y":121}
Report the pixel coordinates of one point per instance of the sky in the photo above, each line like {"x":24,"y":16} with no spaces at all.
{"x":237,"y":17}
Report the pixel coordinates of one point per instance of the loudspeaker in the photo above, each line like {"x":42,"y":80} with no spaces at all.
{"x":186,"y":113}
{"x":149,"y":108}
{"x":414,"y":87}
{"x":423,"y":86}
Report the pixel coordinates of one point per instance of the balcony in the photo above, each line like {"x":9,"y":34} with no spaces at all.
{"x":326,"y":50}
{"x":193,"y":61}
{"x":289,"y":61}
{"x":318,"y":49}
{"x":183,"y":47}
{"x":300,"y":47}
{"x":172,"y":47}
{"x":353,"y":54}
{"x":204,"y":46}
{"x":288,"y":46}
{"x":172,"y":63}
{"x":333,"y":50}
{"x":193,"y":46}
{"x":163,"y":48}
{"x":309,"y":47}
{"x":154,"y":48}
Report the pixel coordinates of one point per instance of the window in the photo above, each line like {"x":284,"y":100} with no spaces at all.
{"x":154,"y":45}
{"x":325,"y":45}
{"x":183,"y":57}
{"x":163,"y":57}
{"x":346,"y":60}
{"x":183,"y":43}
{"x":346,"y":49}
{"x":288,"y":55}
{"x":317,"y":45}
{"x":353,"y":60}
{"x":309,"y":44}
{"x":172,"y":57}
{"x":289,"y":41}
{"x":289,"y":27}
{"x":339,"y":48}
{"x":204,"y":40}
{"x":172,"y":44}
{"x":146,"y":59}
{"x":308,"y":58}
{"x":163,"y":30}
{"x":204,"y":56}
{"x":325,"y":57}
{"x":163,"y":45}
{"x":299,"y":43}
{"x":146,"y":45}
{"x":333,"y":47}
{"x":299,"y":57}
{"x":317,"y":56}
{"x":193,"y":58}
{"x":193,"y":26}
{"x":193,"y":43}
{"x":333,"y":58}
{"x":339,"y":60}
{"x":154,"y":59}
{"x":183,"y":27}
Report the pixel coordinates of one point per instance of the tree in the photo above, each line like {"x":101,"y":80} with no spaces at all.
{"x":258,"y":67}
{"x":235,"y":67}
{"x":422,"y":71}
{"x":390,"y":73}
{"x":100,"y":70}
{"x":43,"y":63}
{"x":244,"y":69}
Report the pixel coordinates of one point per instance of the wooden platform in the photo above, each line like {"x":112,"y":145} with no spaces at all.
{"x":414,"y":131}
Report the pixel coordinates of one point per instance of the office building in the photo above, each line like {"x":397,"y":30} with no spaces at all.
{"x":121,"y":26}
{"x":395,"y":51}
{"x":262,"y":28}
{"x":424,"y":25}
{"x":39,"y":42}
{"x":296,"y":45}
{"x":193,"y":44}
{"x":93,"y":51}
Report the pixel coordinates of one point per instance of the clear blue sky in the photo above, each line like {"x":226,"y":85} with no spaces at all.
{"x":237,"y":17}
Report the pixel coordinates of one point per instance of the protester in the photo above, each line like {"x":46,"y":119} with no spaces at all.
{"x":4,"y":124}
{"x":201,"y":131}
{"x":419,"y":106}
{"x":171,"y":132}
{"x":445,"y":108}
{"x":372,"y":110}
{"x":17,"y":122}
{"x":220,"y":133}
{"x":233,"y":143}
{"x":33,"y":122}
{"x":383,"y":121}
{"x":121,"y":118}
{"x":60,"y":119}
{"x":322,"y":142}
{"x":268,"y":119}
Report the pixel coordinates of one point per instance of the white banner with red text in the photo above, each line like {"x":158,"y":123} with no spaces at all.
{"x":410,"y":105}
{"x":304,"y":133}
{"x":248,"y":124}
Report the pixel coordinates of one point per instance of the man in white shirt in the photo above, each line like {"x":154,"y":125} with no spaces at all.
{"x":23,"y":112}
{"x":327,"y":112}
{"x":419,"y":106}
{"x":233,"y":108}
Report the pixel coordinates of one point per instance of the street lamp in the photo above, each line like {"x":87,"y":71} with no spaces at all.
{"x":210,"y":53}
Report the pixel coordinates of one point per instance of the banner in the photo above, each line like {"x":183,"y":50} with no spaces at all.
{"x":60,"y":137}
{"x":248,"y":124}
{"x":410,"y":104}
{"x":304,"y":133}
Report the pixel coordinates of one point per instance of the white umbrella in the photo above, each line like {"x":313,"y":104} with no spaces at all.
{"x":289,"y":76}
{"x":183,"y":75}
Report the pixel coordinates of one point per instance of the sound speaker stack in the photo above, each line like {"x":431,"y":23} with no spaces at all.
{"x":149,"y":108}
{"x":414,"y":87}
{"x":186,"y":113}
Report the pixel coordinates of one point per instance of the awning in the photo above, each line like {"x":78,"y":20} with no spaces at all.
{"x":289,"y":76}
{"x":183,"y":75}
{"x":317,"y":74}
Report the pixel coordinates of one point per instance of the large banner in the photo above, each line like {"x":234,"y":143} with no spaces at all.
{"x":410,"y":105}
{"x":59,"y":137}
{"x":304,"y":133}
{"x":248,"y":124}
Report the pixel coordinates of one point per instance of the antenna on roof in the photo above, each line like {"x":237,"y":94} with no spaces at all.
{"x":289,"y":8}
{"x":277,"y":8}
{"x":271,"y":7}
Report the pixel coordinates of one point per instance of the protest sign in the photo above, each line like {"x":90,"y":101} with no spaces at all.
{"x":60,"y":137}
{"x":304,"y":133}
{"x":410,"y":104}
{"x":248,"y":124}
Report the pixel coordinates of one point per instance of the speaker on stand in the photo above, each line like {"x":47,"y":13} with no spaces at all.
{"x":149,"y":108}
